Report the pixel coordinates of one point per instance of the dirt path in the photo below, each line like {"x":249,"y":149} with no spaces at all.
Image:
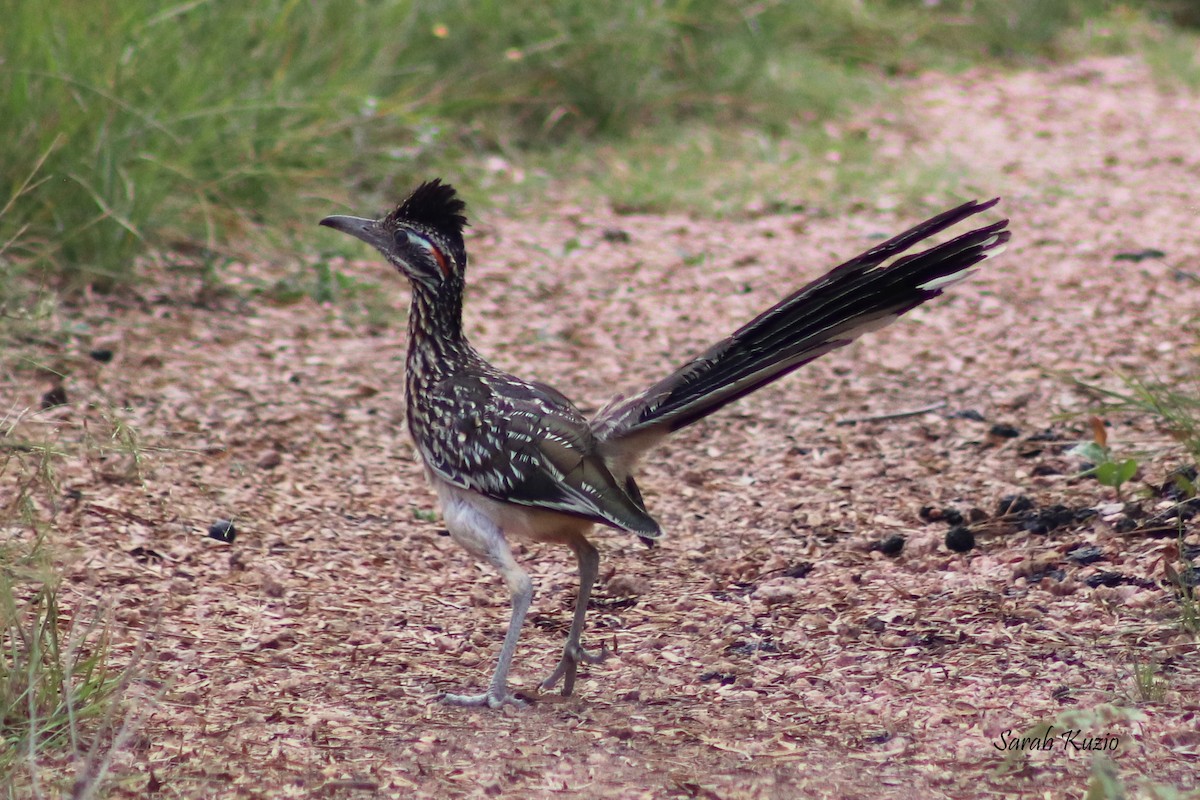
{"x":764,"y":650}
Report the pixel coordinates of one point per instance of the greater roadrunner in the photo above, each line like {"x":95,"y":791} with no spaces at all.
{"x":513,"y":458}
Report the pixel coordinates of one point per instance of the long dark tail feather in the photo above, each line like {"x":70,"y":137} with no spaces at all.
{"x":859,"y":296}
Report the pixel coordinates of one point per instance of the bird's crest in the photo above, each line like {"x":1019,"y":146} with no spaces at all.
{"x":436,"y":206}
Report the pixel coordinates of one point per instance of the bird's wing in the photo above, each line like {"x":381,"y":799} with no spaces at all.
{"x":526,"y":444}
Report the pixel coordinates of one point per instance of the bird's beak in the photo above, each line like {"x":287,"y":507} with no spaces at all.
{"x":365,"y":229}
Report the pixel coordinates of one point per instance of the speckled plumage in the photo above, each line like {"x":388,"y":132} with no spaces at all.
{"x":484,"y":430}
{"x":515,"y":458}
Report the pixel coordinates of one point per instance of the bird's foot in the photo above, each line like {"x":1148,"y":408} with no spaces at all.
{"x":573,"y":655}
{"x":489,"y":698}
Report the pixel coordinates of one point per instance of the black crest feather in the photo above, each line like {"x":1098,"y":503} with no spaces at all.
{"x":435,"y":205}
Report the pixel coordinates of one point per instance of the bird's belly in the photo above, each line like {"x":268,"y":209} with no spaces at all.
{"x":466,"y":511}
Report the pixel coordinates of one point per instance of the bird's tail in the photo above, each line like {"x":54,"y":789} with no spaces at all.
{"x":862,"y":295}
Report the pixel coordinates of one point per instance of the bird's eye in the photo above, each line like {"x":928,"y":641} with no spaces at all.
{"x":410,"y":239}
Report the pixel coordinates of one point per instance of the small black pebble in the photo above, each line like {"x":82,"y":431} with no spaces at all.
{"x":933,"y":514}
{"x":1109,"y":579}
{"x":892,"y":545}
{"x":798,"y":570}
{"x":103,"y":355}
{"x":1047,"y":519}
{"x":1137,"y":256}
{"x":55,"y":397}
{"x":223,"y":531}
{"x":1046,"y":469}
{"x":968,"y":413}
{"x":1004,"y":431}
{"x":611,"y":603}
{"x":749,"y":648}
{"x":1085,"y":554}
{"x":874,"y":623}
{"x":1037,"y":577}
{"x":724,"y":677}
{"x":1013,"y":504}
{"x":615,"y":235}
{"x":145,"y":554}
{"x":1062,"y":694}
{"x":1171,"y":490}
{"x":1125,"y":525}
{"x":960,"y":539}
{"x":1189,"y":578}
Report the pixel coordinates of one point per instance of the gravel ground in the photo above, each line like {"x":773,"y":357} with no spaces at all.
{"x":768,"y":648}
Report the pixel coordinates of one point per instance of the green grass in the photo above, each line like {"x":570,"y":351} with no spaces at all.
{"x":356,"y":300}
{"x":1173,"y":56}
{"x":710,"y":171}
{"x":61,"y":714}
{"x":1150,"y":687}
{"x":55,"y":683}
{"x":134,"y":127}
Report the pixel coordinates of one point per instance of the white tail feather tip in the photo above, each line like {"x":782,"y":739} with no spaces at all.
{"x":946,"y":280}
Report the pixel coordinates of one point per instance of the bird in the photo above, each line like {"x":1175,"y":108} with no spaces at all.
{"x":513,"y":459}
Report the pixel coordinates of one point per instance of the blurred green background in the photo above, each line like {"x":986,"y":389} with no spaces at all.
{"x":132,"y":127}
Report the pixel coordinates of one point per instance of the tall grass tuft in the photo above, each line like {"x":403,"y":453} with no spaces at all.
{"x":54,"y":675}
{"x":61,"y":694}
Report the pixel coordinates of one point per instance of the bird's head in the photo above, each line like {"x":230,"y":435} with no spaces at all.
{"x":422,"y":237}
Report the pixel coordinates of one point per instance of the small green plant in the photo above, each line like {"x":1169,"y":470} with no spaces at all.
{"x":1116,"y":473}
{"x":1107,"y":469}
{"x":1177,"y":410}
{"x":1176,"y":406}
{"x":1099,"y":730}
{"x":1078,"y":729}
{"x":1104,"y":782}
{"x":1184,"y":581}
{"x":425,"y":514}
{"x":1150,"y":687}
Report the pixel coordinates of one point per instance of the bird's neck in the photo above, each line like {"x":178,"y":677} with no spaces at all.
{"x":437,"y":346}
{"x":438,"y":351}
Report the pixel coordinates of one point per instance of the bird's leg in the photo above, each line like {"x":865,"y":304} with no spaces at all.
{"x":484,"y":539}
{"x":573,"y":653}
{"x":497,"y":695}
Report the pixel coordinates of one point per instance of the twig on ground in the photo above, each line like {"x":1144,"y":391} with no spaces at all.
{"x":916,"y":412}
